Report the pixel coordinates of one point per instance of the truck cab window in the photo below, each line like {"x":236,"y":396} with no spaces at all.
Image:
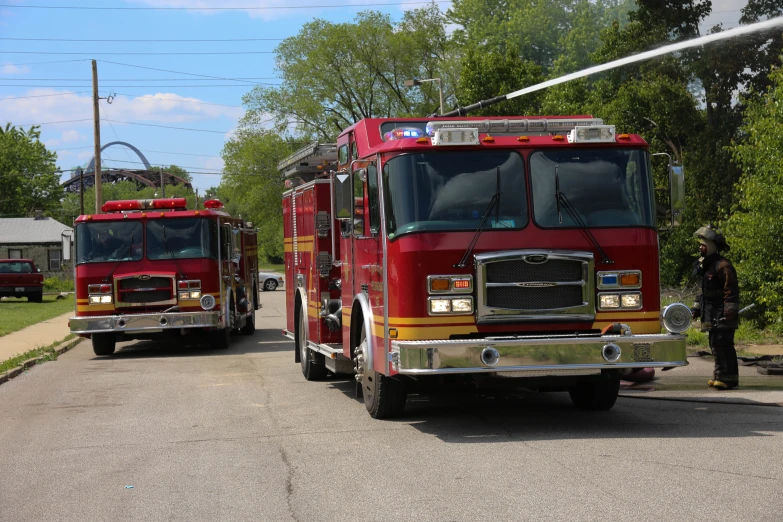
{"x":372,"y":197}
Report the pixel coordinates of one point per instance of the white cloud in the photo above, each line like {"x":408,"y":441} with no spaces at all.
{"x":71,"y":136}
{"x":9,"y":69}
{"x":201,"y":6}
{"x":156,"y":108}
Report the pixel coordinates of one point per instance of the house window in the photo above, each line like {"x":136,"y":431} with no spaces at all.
{"x":14,"y":253}
{"x":54,"y":259}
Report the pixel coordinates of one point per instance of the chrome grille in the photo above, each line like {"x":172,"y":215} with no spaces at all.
{"x":522,"y":271}
{"x":134,"y":291}
{"x":535,"y":285}
{"x":534,"y":298}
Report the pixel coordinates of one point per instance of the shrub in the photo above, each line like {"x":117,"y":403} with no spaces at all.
{"x":55,"y":284}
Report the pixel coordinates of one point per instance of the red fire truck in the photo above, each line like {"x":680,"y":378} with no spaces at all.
{"x":492,"y":252}
{"x":151,"y":269}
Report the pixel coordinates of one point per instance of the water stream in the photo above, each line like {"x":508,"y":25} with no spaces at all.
{"x":696,"y":42}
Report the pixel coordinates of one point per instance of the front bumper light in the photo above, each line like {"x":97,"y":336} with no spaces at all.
{"x":608,"y":301}
{"x":451,"y":306}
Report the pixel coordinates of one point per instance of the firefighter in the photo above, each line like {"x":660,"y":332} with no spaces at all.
{"x":718,"y":305}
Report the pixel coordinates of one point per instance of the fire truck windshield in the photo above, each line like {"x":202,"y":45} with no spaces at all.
{"x":439,"y":191}
{"x":186,"y":238}
{"x":605,"y":187}
{"x":108,"y":241}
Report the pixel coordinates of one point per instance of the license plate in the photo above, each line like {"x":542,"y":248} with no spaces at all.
{"x":19,"y":289}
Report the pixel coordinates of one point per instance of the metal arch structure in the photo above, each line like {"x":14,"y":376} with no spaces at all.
{"x":91,"y":166}
{"x":146,"y":177}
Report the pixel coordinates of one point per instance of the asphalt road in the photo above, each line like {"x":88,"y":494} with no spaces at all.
{"x":240,"y":435}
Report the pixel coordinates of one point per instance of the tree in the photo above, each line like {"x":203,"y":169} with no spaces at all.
{"x":252,"y":186}
{"x":487,"y":74}
{"x":28,"y":180}
{"x":755,"y":228}
{"x":333,"y":75}
{"x":176,"y":171}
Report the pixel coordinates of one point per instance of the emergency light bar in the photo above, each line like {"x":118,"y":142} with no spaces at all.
{"x":514,"y":126}
{"x":456,"y":137}
{"x":596,"y":133}
{"x":145,"y":204}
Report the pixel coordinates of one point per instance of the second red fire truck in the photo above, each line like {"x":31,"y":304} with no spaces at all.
{"x":492,"y":252}
{"x":150,"y":269}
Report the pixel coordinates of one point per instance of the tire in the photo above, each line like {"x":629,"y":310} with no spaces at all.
{"x":103,"y":344}
{"x":35,"y":298}
{"x":597,"y":395}
{"x":313,"y":366}
{"x":384,"y":397}
{"x":250,"y":320}
{"x":270,"y":285}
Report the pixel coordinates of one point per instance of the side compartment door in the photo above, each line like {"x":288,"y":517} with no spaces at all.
{"x":367,"y":253}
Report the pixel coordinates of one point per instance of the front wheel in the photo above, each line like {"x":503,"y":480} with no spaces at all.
{"x":104,"y":343}
{"x":384,"y":396}
{"x":270,"y":285}
{"x":596,"y":395}
{"x":250,"y":320}
{"x":220,"y":339}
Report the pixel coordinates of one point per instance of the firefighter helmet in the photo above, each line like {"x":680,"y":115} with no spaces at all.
{"x":712,"y":233}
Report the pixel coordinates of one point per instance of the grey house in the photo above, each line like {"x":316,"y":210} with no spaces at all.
{"x":38,"y":238}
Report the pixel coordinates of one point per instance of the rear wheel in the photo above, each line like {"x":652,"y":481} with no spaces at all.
{"x":384,"y":397}
{"x":270,"y":285}
{"x":313,"y":367}
{"x":104,"y":343}
{"x":596,"y":395}
{"x":36,"y":298}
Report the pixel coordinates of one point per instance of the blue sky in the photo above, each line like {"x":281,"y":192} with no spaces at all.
{"x":40,"y":90}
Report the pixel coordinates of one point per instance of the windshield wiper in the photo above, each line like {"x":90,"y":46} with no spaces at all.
{"x":111,"y":273}
{"x":166,"y":244}
{"x":492,"y":202}
{"x":560,"y":197}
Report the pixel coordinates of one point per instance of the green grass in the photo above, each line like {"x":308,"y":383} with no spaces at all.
{"x":16,"y":314}
{"x":266,"y":267}
{"x":47,"y":352}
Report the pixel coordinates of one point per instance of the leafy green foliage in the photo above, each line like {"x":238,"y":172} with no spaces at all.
{"x":27,"y":173}
{"x":55,"y":284}
{"x":755,"y":226}
{"x":252,"y":186}
{"x":334,"y":74}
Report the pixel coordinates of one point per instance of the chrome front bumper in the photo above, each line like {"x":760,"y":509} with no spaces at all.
{"x":143,"y":323}
{"x":537,"y":355}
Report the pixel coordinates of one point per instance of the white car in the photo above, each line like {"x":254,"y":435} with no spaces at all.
{"x":269,"y":281}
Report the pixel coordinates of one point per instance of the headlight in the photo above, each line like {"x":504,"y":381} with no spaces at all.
{"x":440,"y":306}
{"x":105,"y":299}
{"x":190,"y":295}
{"x":100,"y":299}
{"x":608,"y":301}
{"x":462,"y":305}
{"x":676,"y":318}
{"x":631,"y":301}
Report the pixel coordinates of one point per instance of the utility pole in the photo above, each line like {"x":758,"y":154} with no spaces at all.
{"x":97,"y":138}
{"x":81,"y":191}
{"x":162,"y":184}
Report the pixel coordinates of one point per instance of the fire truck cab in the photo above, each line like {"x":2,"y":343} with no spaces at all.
{"x":492,"y":252}
{"x":151,"y":269}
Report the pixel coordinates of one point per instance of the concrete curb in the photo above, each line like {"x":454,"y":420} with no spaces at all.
{"x":29,"y":363}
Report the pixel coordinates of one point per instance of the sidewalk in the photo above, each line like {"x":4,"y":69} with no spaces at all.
{"x":34,"y":336}
{"x":690,"y":383}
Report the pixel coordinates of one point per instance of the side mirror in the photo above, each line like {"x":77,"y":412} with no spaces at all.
{"x":38,"y":270}
{"x":342,"y":194}
{"x":677,"y":191}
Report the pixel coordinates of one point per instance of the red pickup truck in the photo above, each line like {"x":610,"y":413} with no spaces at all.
{"x":20,"y":278}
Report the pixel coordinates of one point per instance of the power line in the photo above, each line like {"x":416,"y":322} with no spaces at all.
{"x":180,"y":166}
{"x":43,"y":95}
{"x":246,"y":85}
{"x":156,"y":41}
{"x":125,"y":122}
{"x":249,"y":8}
{"x":42,"y":63}
{"x":90,"y":53}
{"x":131,"y":79}
{"x":148,"y":151}
{"x":172,"y":71}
